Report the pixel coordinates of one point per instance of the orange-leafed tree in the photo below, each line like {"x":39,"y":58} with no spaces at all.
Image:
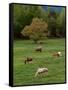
{"x":36,"y":30}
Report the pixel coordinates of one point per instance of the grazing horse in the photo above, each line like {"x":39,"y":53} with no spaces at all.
{"x":28,"y":60}
{"x":39,"y":48}
{"x":58,"y":54}
{"x":41,"y":70}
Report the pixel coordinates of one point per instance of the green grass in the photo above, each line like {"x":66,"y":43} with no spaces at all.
{"x":24,"y":73}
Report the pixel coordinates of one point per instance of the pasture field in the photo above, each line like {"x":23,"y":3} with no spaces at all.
{"x":23,"y":74}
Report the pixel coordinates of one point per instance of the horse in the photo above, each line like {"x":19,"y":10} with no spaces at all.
{"x":58,"y":54}
{"x":39,"y":48}
{"x":28,"y":60}
{"x":40,"y":71}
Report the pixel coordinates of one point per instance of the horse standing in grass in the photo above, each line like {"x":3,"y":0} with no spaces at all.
{"x":39,"y":48}
{"x":58,"y":54}
{"x":28,"y":60}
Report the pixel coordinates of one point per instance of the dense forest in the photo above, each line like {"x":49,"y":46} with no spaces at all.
{"x":24,"y":15}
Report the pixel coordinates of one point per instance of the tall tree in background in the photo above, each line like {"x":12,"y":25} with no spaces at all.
{"x":52,"y":15}
{"x":56,"y":22}
{"x":36,"y":30}
{"x":61,"y":24}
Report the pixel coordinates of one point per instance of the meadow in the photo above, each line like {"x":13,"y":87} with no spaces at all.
{"x":23,"y":74}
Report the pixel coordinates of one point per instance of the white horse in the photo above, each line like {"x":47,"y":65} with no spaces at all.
{"x":41,"y":70}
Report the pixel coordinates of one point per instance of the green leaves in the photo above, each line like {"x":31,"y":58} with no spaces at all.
{"x":24,"y":14}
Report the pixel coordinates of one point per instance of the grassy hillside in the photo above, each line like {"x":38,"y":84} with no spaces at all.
{"x":24,"y":73}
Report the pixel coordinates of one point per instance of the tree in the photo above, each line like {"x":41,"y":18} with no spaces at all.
{"x":36,"y":30}
{"x":56,"y":22}
{"x":61,"y":24}
{"x":52,"y":15}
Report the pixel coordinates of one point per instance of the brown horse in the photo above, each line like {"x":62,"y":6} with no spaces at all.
{"x":58,"y":54}
{"x":28,"y":60}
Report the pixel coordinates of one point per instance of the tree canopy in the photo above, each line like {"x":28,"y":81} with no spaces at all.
{"x":24,"y":14}
{"x":36,"y":30}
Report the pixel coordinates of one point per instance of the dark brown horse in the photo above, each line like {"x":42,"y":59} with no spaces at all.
{"x":28,"y":60}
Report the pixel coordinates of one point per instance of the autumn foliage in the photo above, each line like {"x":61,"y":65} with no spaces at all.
{"x":36,"y":30}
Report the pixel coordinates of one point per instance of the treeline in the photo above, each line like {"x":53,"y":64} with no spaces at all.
{"x":24,"y":14}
